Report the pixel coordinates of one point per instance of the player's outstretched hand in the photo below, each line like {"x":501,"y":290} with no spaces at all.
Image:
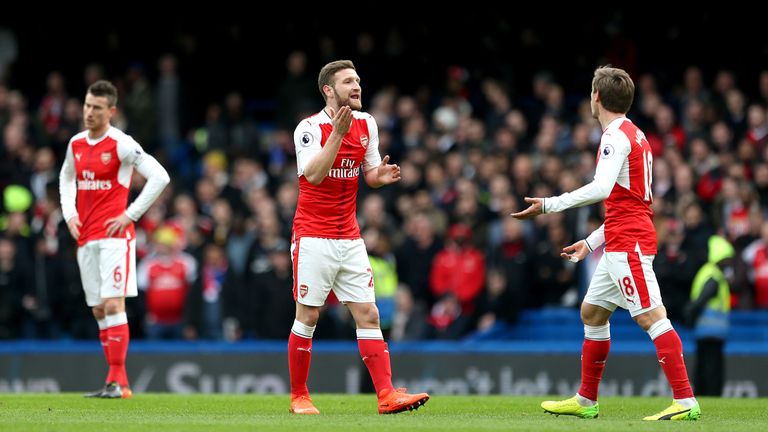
{"x":575,"y":252}
{"x":388,"y":173}
{"x":342,"y":120}
{"x":535,"y":209}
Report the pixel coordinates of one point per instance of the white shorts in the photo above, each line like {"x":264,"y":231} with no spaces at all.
{"x":107,"y":269}
{"x":321,"y":265}
{"x":626,"y":280}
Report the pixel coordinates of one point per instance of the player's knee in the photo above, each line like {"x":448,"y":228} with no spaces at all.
{"x":594,"y":322}
{"x":644,"y":321}
{"x":98,"y":312}
{"x":308,"y":315}
{"x":371,"y":316}
{"x":113,"y":306}
{"x":593,"y":316}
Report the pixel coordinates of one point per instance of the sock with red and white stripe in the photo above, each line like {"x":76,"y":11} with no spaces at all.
{"x":375,"y":355}
{"x":118,"y":337}
{"x":669,"y":350}
{"x":299,"y":357}
{"x":594,"y":353}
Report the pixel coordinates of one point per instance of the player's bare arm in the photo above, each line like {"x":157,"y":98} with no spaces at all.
{"x":319,"y":166}
{"x":383,"y":174}
{"x":575,"y":252}
{"x":117,"y":224}
{"x":536,"y":208}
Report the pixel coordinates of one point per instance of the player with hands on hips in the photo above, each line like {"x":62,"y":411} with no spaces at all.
{"x":94,"y":183}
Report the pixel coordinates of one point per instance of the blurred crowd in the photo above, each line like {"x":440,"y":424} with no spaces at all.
{"x":448,"y":261}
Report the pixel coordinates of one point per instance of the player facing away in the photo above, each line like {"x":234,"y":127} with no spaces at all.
{"x":94,"y":183}
{"x":327,"y":250}
{"x":624,"y":276}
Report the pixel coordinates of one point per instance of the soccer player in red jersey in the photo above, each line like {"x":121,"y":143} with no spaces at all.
{"x":327,"y":251}
{"x":94,"y":184}
{"x":624,"y":276}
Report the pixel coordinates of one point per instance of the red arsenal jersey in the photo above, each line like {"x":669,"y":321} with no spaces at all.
{"x":328,"y":210}
{"x":623,"y":179}
{"x":103,"y":169}
{"x":628,"y":214}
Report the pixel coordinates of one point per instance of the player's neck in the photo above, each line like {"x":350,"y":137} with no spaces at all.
{"x":330,"y":110}
{"x":607,"y":117}
{"x":98,"y":133}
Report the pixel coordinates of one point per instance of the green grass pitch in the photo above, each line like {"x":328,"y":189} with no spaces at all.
{"x":231,"y":413}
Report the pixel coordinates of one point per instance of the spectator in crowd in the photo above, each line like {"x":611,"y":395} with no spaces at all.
{"x":211,"y":299}
{"x":708,"y":312}
{"x":15,"y":280}
{"x":756,"y":258}
{"x":415,"y":255}
{"x":458,"y":274}
{"x":165,"y":278}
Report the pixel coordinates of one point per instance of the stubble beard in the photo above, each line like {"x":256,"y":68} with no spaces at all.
{"x":355,"y":104}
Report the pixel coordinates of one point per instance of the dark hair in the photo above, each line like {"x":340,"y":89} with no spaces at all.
{"x":329,"y":70}
{"x":617,"y":91}
{"x":104,"y":88}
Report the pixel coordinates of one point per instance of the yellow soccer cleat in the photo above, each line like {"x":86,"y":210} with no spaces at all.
{"x":677,"y":412}
{"x":571,"y":407}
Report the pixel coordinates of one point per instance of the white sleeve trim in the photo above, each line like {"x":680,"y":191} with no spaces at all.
{"x":596,"y":239}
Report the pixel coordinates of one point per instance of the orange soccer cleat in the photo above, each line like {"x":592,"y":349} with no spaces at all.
{"x":303,"y":405}
{"x":127,"y":393}
{"x":397,"y":400}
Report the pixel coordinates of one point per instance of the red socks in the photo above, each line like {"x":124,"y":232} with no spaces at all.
{"x":594,"y":353}
{"x":116,"y":349}
{"x":104,"y":343}
{"x":669,"y":350}
{"x":373,"y":350}
{"x":299,"y":358}
{"x":376,"y":358}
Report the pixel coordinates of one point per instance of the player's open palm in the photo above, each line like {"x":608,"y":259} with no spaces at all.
{"x":536,"y":208}
{"x":342,"y":120}
{"x":575,"y":252}
{"x":388,"y":173}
